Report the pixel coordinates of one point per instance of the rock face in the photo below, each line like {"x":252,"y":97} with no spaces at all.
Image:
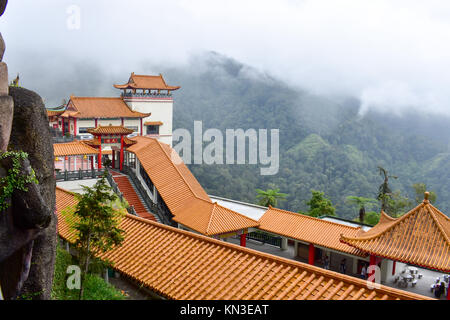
{"x":28,"y":226}
{"x":30,"y":133}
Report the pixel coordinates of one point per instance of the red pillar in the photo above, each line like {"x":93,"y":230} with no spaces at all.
{"x":96,"y":122}
{"x":243,"y":240}
{"x":312,"y":254}
{"x":373,"y":262}
{"x":142,"y":133}
{"x":393,"y":268}
{"x":62,"y":127}
{"x":100,"y":153}
{"x":121,"y":120}
{"x":121,"y":153}
{"x":74,"y":126}
{"x":92,"y":162}
{"x":448,"y":291}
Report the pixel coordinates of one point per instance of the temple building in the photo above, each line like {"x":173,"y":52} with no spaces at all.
{"x":135,"y":132}
{"x":145,"y":107}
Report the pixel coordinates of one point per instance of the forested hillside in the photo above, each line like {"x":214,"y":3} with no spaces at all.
{"x":324,"y":143}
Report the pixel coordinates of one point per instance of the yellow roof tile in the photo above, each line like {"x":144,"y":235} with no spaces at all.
{"x":179,"y":264}
{"x":72,"y":148}
{"x":100,"y":107}
{"x":211,"y":218}
{"x":308,"y":229}
{"x":420,"y":237}
{"x":146,"y":82}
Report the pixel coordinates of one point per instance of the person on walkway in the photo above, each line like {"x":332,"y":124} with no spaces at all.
{"x":439,"y":290}
{"x":363,"y":271}
{"x":326,"y":263}
{"x":343,"y":266}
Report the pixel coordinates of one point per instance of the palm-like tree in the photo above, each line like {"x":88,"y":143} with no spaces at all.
{"x":384,"y":192}
{"x":270,"y":197}
{"x":361,"y":203}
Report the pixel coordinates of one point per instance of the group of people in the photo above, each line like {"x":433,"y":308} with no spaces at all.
{"x":439,"y":290}
{"x":326,"y":264}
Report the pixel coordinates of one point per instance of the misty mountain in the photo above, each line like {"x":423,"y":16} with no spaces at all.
{"x":325,"y":143}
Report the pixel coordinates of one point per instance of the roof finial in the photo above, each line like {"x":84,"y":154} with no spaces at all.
{"x":426,"y":196}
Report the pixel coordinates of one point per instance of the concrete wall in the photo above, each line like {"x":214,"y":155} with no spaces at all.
{"x":161,"y":110}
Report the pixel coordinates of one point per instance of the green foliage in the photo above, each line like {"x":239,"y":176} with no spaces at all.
{"x":325,"y":144}
{"x":371,"y":218}
{"x":98,"y":214}
{"x":14,"y":180}
{"x":419,"y":190}
{"x":95,"y":287}
{"x":384,"y":191}
{"x":398,"y":205}
{"x":319,"y":205}
{"x":361,"y":203}
{"x":270,"y":197}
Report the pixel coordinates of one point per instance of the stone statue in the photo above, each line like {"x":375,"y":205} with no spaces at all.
{"x":28,"y":225}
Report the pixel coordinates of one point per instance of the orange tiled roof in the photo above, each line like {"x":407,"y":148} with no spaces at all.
{"x":183,"y":195}
{"x":146,"y":82}
{"x":308,"y":229}
{"x":72,"y":148}
{"x":110,"y":130}
{"x":100,"y":107}
{"x":51,"y":113}
{"x":420,"y":237}
{"x":211,"y":218}
{"x":178,"y":264}
{"x":175,"y":183}
{"x":153,"y":123}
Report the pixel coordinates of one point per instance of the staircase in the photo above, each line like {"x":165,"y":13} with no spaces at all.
{"x":133,"y":198}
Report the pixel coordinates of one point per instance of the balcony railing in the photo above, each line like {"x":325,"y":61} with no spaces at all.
{"x":265,"y":238}
{"x":146,"y":95}
{"x":116,"y":190}
{"x":77,"y":174}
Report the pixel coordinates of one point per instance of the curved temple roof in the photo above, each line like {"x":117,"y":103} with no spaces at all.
{"x":100,"y":107}
{"x":308,"y":229}
{"x":73,"y":148}
{"x":146,"y":82}
{"x":121,"y":130}
{"x":179,"y":264}
{"x":420,"y":237}
{"x":182,"y":193}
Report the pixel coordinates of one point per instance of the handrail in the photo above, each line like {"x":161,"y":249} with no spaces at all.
{"x":140,"y":189}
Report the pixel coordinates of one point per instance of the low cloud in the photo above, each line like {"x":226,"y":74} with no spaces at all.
{"x":392,"y":55}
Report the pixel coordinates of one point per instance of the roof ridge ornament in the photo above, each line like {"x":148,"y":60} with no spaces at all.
{"x":426,"y":197}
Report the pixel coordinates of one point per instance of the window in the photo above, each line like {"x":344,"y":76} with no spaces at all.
{"x":132,"y":160}
{"x":146,"y":178}
{"x":152,"y":129}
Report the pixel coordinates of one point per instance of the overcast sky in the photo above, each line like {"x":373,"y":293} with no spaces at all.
{"x":393,"y":55}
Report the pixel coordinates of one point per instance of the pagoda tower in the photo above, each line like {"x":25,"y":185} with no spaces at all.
{"x":151,"y":94}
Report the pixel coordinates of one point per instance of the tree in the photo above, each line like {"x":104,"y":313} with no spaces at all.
{"x":372,"y":218}
{"x":361,"y":203}
{"x":398,"y":204}
{"x":270,"y":197}
{"x":420,"y":189}
{"x":319,"y":205}
{"x":97,"y":217}
{"x":384,"y":192}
